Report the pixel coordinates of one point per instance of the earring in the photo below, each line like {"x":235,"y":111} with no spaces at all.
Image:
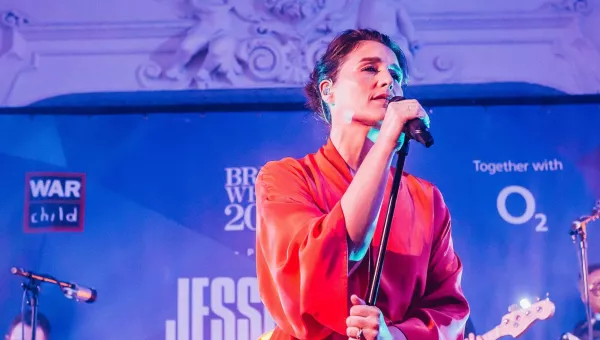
{"x":326,"y":91}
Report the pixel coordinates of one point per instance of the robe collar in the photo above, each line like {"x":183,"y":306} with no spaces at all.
{"x":329,"y":152}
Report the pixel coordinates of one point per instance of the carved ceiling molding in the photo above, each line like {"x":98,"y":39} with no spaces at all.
{"x":274,"y":43}
{"x":277,"y":44}
{"x":15,"y":56}
{"x":166,"y":29}
{"x":579,"y":54}
{"x":494,"y":21}
{"x":573,"y":6}
{"x":550,"y":15}
{"x":100,"y":30}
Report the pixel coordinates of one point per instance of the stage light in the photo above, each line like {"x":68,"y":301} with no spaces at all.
{"x":524,"y":303}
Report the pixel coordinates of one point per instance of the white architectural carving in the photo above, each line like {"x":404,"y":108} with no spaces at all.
{"x":275,"y":43}
{"x":240,"y":43}
{"x":270,"y":42}
{"x":15,"y":56}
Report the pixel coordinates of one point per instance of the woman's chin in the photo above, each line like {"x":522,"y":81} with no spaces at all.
{"x":370,"y":116}
{"x":374,"y":119}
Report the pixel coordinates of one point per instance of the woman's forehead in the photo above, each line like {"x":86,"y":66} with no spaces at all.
{"x":372,"y":51}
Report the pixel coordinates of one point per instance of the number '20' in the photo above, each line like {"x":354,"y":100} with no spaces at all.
{"x":242,"y":217}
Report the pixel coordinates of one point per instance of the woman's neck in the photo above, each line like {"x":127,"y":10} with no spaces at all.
{"x":350,"y":140}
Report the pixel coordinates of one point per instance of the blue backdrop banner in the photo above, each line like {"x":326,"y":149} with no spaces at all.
{"x":158,"y":213}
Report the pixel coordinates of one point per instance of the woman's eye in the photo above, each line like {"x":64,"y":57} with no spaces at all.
{"x":370,"y":69}
{"x":393,"y":73}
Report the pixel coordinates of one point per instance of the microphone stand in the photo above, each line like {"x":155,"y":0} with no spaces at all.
{"x":376,"y":278}
{"x":418,"y":130}
{"x":579,"y":236}
{"x":32,"y":289}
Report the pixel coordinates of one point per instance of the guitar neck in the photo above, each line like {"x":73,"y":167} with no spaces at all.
{"x":493,"y":334}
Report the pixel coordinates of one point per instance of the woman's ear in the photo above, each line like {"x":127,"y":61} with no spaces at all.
{"x":325,"y":88}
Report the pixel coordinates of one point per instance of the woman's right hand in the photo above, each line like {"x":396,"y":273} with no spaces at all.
{"x":397,"y":115}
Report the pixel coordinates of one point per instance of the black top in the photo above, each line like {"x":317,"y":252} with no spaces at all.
{"x":581,"y":330}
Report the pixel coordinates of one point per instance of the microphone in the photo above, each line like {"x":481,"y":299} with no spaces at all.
{"x":581,"y":223}
{"x":416,"y":128}
{"x":71,"y":290}
{"x":81,"y":293}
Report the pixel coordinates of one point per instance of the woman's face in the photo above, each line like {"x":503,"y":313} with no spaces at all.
{"x":367,"y":79}
{"x":594,"y":282}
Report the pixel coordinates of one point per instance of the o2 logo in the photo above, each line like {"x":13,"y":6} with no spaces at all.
{"x":530,"y":209}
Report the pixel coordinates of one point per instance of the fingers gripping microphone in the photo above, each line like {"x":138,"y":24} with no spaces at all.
{"x":71,"y":290}
{"x":417,"y":128}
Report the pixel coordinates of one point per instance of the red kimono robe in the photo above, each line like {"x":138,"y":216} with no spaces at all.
{"x":303,"y":272}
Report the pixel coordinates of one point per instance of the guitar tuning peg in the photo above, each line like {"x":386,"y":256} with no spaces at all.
{"x":537,"y":298}
{"x":513,"y":307}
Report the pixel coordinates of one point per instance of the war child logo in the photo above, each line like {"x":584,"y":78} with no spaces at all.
{"x":54,"y":201}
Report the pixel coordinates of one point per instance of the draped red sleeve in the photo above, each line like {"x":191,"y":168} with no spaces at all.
{"x":442,"y":311}
{"x":301,"y":252}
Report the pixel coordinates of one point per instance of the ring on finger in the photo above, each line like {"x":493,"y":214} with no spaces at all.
{"x":359,"y":333}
